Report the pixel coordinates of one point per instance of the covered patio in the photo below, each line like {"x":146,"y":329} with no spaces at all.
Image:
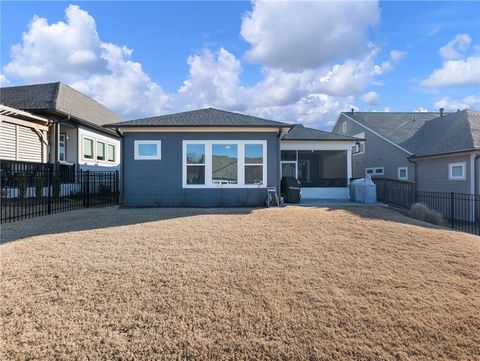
{"x":321,"y":161}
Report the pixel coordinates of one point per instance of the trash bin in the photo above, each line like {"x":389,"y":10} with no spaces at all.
{"x":364,"y":191}
{"x":290,"y":187}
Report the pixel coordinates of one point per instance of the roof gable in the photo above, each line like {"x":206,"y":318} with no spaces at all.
{"x":209,"y":117}
{"x":57,"y":97}
{"x":451,"y":133}
{"x":396,"y":127}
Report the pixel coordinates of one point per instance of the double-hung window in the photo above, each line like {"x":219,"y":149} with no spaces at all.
{"x":229,"y":164}
{"x":100,"y":150}
{"x":254,"y":164}
{"x":88,"y":148}
{"x":195,"y":164}
{"x":111,"y":153}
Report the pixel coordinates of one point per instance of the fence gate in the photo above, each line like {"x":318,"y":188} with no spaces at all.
{"x":36,"y":191}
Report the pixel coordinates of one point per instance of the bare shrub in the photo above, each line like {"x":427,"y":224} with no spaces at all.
{"x":421,"y":212}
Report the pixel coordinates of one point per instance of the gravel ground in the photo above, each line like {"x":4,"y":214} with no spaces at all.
{"x":335,"y":283}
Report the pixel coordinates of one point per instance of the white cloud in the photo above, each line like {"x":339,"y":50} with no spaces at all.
{"x":469,"y":102}
{"x":421,"y":110}
{"x":370,"y":98}
{"x":293,"y":35}
{"x":458,"y":69}
{"x":4,"y":80}
{"x":456,"y":48}
{"x":73,"y":52}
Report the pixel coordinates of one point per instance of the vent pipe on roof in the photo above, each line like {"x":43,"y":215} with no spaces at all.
{"x":353,"y":111}
{"x":441,"y":111}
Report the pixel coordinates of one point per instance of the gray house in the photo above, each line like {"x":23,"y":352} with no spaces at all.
{"x":211,"y":157}
{"x":71,"y":132}
{"x":436,"y":150}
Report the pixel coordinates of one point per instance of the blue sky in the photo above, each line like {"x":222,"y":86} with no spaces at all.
{"x":268,"y":59}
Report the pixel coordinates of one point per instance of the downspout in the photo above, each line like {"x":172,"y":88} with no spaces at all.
{"x":415,"y":179}
{"x":122,"y":163}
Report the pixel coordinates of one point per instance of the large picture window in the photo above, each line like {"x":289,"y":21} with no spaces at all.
{"x":230,"y":164}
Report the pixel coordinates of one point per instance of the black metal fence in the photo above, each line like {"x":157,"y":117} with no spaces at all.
{"x":31,"y":193}
{"x":459,"y":211}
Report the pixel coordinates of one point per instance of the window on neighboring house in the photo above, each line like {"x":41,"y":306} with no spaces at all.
{"x":148,"y":149}
{"x":359,"y":148}
{"x":457,"y":171}
{"x":195,"y":163}
{"x":374,"y":171}
{"x":402,"y":173}
{"x":234,"y":164}
{"x":254,"y":164}
{"x":111,"y":153}
{"x":62,"y":146}
{"x":100,"y":150}
{"x":88,"y":148}
{"x":344,"y":127}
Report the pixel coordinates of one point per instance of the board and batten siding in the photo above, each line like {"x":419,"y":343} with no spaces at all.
{"x":378,"y":153}
{"x":159,"y":182}
{"x":432,"y":174}
{"x":19,"y":143}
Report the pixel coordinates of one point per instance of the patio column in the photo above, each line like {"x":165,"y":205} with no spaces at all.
{"x":349,"y":165}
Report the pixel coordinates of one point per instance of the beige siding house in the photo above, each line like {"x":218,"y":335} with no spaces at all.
{"x":72,"y":132}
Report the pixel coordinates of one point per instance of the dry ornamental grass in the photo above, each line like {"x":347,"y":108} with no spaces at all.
{"x":361,"y":283}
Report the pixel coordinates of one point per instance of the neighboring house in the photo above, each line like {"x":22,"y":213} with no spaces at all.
{"x":23,"y":136}
{"x":211,"y":157}
{"x":436,"y":150}
{"x":75,"y":133}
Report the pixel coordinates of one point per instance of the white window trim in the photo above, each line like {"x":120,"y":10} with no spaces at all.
{"x":157,"y":156}
{"x":399,"y":169}
{"x":344,"y":127}
{"x":104,"y":151}
{"x":208,"y":164}
{"x":374,"y":168}
{"x":94,"y":150}
{"x":114,"y":153}
{"x":464,"y":171}
{"x":360,"y":135}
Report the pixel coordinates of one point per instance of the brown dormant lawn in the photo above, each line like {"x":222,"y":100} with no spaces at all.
{"x":292,"y":283}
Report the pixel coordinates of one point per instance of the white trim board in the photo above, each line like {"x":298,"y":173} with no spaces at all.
{"x":200,"y":129}
{"x":373,"y":132}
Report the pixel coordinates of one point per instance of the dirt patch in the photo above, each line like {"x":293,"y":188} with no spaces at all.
{"x":291,"y":283}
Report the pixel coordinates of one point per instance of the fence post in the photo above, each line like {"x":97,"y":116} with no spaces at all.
{"x":117,"y":187}
{"x":452,"y":212}
{"x":49,"y":184}
{"x":87,"y":189}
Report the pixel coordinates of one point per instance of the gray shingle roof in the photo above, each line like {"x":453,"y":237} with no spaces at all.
{"x":57,"y":97}
{"x":299,"y":132}
{"x":209,"y":117}
{"x":451,"y":133}
{"x":397,"y":127}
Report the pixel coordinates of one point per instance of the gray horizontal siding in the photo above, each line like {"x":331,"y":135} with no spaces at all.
{"x":159,"y":182}
{"x":378,"y":153}
{"x":432,"y":174}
